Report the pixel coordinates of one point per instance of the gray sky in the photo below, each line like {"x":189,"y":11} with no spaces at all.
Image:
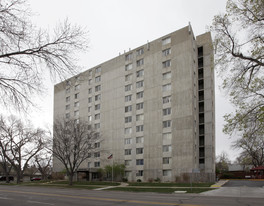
{"x":117,"y":25}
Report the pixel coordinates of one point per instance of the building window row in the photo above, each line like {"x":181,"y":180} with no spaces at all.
{"x":139,"y":140}
{"x":139,"y":52}
{"x":128,"y":130}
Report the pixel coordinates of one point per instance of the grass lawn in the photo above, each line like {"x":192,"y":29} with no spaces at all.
{"x":170,"y":184}
{"x":160,"y":190}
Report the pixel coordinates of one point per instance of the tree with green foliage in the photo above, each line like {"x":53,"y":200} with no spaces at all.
{"x":118,"y":171}
{"x":239,"y":44}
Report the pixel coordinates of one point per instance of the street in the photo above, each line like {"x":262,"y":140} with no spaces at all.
{"x":41,"y":196}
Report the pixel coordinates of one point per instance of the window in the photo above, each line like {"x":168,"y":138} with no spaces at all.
{"x":97,"y":116}
{"x":128,"y":67}
{"x":140,"y":73}
{"x":89,"y":99}
{"x":167,"y":124}
{"x":97,"y":126}
{"x":96,"y":164}
{"x":97,"y":106}
{"x":139,"y":106}
{"x":128,"y":77}
{"x":90,"y":91}
{"x":166,"y":99}
{"x":90,"y":118}
{"x":166,"y":75}
{"x":98,"y":79}
{"x":128,"y":151}
{"x":166,"y":52}
{"x":98,"y":88}
{"x":98,"y":69}
{"x":97,"y":97}
{"x":166,"y":64}
{"x":139,"y":150}
{"x":68,"y":90}
{"x":128,"y":130}
{"x":67,"y":115}
{"x":166,"y":87}
{"x":77,"y":87}
{"x":77,"y":95}
{"x":97,"y":145}
{"x":140,"y":84}
{"x":140,"y":95}
{"x":166,"y":136}
{"x":166,"y":160}
{"x":166,"y":148}
{"x":139,"y":117}
{"x":139,"y":139}
{"x":128,"y":141}
{"x":89,"y":155}
{"x":76,"y":113}
{"x":77,"y":78}
{"x":128,"y":162}
{"x":89,"y":164}
{"x":140,"y":62}
{"x":166,"y":173}
{"x":140,"y":162}
{"x":68,"y":99}
{"x":140,"y":128}
{"x":76,"y":121}
{"x":128,"y":98}
{"x":166,"y":41}
{"x":139,"y":173}
{"x":90,"y":72}
{"x":140,"y":51}
{"x":89,"y":109}
{"x":128,"y":119}
{"x":90,"y":81}
{"x":68,"y":82}
{"x":67,"y":107}
{"x":128,"y":108}
{"x":167,"y":111}
{"x":128,"y":87}
{"x":97,"y":154}
{"x":129,"y":57}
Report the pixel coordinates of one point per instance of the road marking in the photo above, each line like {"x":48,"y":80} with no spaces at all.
{"x":44,"y":203}
{"x":5,"y":198}
{"x":98,"y":198}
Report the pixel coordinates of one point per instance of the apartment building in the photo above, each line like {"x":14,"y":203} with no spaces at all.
{"x":153,"y":106}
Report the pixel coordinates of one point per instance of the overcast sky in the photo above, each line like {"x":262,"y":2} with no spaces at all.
{"x":117,"y":25}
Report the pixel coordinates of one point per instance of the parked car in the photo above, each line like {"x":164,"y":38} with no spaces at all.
{"x":3,"y":178}
{"x":35,"y":179}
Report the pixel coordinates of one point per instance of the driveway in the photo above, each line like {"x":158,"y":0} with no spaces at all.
{"x":239,"y":188}
{"x":247,"y":183}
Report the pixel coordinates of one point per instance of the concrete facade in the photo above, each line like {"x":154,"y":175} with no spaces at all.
{"x":153,"y":106}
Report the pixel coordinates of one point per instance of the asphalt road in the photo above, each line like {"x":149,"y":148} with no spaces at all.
{"x":45,"y":196}
{"x":244,"y":183}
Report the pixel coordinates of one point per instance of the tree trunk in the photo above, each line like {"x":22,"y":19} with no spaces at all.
{"x":71,"y":179}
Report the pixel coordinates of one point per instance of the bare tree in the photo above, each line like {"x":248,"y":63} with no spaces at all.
{"x":43,"y":162}
{"x":27,"y":52}
{"x":222,"y":162}
{"x":252,"y":149}
{"x":73,"y":143}
{"x":19,"y":143}
{"x":5,"y":165}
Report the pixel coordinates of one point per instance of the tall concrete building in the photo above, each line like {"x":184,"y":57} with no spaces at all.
{"x":153,"y":106}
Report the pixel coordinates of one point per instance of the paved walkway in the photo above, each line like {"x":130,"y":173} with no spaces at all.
{"x":220,"y":183}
